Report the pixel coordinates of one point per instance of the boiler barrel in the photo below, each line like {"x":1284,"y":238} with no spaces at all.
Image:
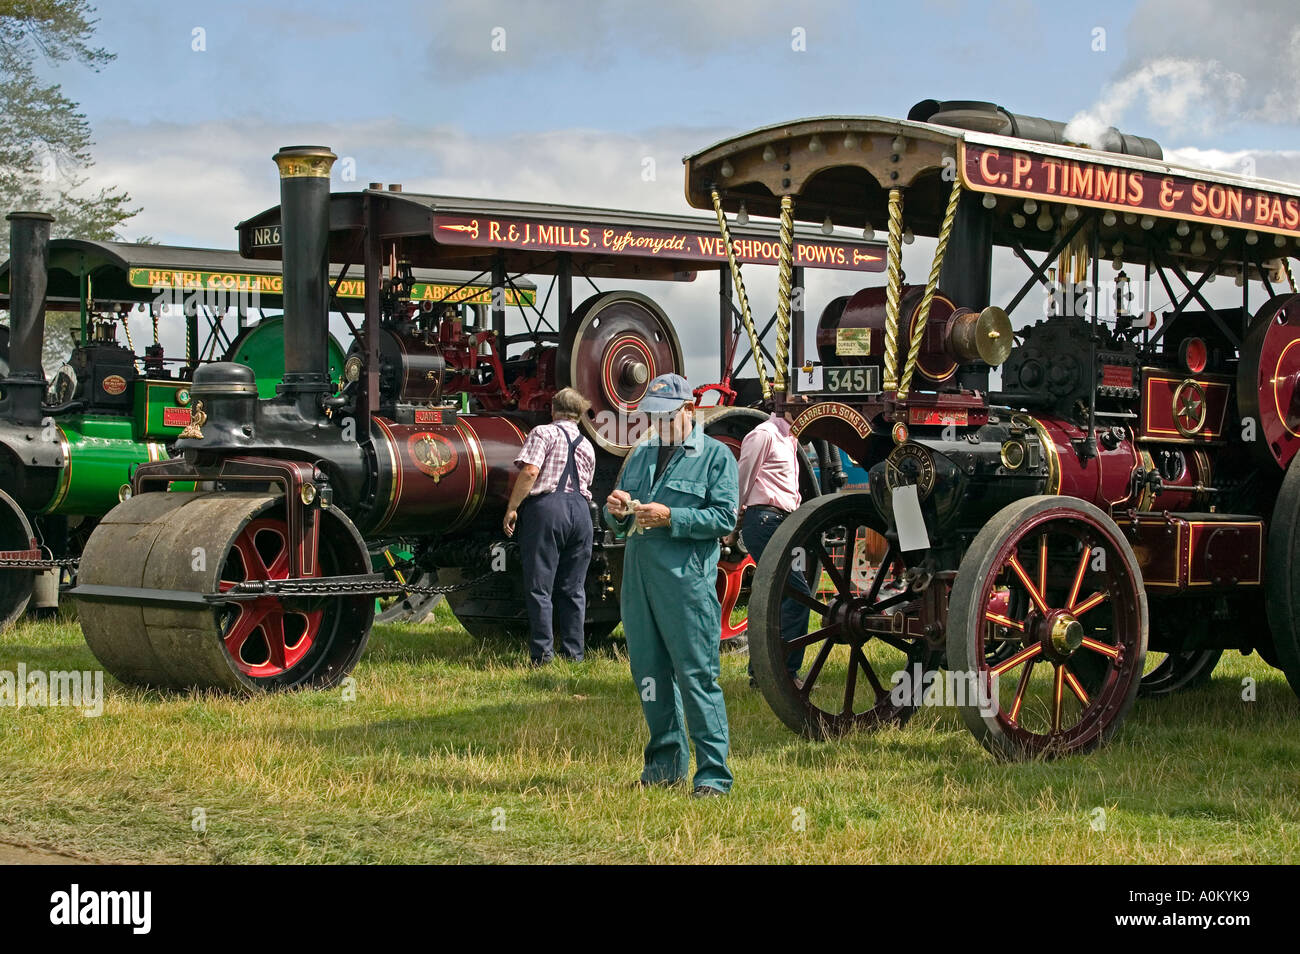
{"x":443,"y":478}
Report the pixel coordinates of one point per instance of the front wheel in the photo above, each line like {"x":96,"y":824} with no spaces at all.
{"x":1057,"y":670}
{"x":869,"y":637}
{"x":209,"y":543}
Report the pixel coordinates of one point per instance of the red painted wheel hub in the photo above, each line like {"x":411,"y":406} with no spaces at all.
{"x":264,"y":638}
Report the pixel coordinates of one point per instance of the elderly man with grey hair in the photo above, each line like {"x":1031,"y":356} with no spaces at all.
{"x":550,"y":508}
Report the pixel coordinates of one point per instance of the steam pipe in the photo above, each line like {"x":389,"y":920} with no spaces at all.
{"x":991,"y":118}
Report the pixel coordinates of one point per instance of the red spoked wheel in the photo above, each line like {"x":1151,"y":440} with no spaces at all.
{"x":734,"y":581}
{"x":263,"y":636}
{"x":1057,"y":671}
{"x":867,"y":637}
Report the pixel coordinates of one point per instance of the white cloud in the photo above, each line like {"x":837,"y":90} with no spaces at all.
{"x":1195,"y":67}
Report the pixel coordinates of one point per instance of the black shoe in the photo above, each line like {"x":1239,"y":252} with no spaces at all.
{"x":753,"y":683}
{"x":538,"y":663}
{"x":642,"y":784}
{"x":707,"y":791}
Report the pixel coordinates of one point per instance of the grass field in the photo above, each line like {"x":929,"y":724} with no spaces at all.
{"x":454,"y":750}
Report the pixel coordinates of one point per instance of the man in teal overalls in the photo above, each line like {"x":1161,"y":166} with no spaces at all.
{"x":685,"y":484}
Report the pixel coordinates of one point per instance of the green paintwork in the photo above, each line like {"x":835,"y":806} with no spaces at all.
{"x":102,"y":452}
{"x":262,"y":349}
{"x":157,"y":401}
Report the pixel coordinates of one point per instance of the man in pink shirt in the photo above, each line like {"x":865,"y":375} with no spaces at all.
{"x":769,"y":492}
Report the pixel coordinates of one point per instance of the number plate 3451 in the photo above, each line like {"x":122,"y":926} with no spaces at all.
{"x":851,"y":379}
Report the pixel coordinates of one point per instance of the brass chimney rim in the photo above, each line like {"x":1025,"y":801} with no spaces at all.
{"x":310,"y":162}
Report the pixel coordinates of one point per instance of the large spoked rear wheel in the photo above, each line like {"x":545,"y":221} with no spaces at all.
{"x":1282,"y":578}
{"x":1178,"y":671}
{"x":1058,"y":669}
{"x":208,"y":543}
{"x":867,"y":627}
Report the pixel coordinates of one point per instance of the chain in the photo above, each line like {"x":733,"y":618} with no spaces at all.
{"x":286,"y":587}
{"x":307,"y":587}
{"x":68,"y":562}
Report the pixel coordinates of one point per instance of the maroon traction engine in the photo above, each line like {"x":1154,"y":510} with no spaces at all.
{"x":250,"y":572}
{"x":1131,"y":485}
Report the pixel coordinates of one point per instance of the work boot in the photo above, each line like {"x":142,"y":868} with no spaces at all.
{"x":707,"y":791}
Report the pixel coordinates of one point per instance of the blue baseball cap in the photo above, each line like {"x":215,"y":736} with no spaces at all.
{"x":666,"y":394}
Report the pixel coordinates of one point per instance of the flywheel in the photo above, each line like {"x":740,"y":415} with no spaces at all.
{"x":612,"y":347}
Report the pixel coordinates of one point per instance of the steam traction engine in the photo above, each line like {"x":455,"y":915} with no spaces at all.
{"x":258,"y":577}
{"x":67,"y":446}
{"x":1116,"y":492}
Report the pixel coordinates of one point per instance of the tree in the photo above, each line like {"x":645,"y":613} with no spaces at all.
{"x":44,"y":139}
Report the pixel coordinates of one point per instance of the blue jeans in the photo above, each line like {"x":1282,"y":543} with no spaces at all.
{"x":756,"y":529}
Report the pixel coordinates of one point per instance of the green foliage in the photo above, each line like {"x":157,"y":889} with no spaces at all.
{"x":44,"y":139}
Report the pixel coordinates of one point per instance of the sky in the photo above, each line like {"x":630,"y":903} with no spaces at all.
{"x":565,"y":101}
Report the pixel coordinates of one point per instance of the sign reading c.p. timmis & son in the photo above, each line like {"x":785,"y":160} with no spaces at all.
{"x":1102,"y":185}
{"x":683,"y":244}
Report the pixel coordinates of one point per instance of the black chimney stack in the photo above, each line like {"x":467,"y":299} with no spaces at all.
{"x":304,"y":229}
{"x":29,"y":260}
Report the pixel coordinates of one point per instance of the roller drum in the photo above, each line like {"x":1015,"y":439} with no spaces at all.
{"x":204,"y":543}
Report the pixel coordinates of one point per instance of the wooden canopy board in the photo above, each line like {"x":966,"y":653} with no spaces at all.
{"x":844,"y":167}
{"x":532,"y":237}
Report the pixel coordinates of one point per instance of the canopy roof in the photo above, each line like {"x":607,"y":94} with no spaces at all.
{"x":134,"y":272}
{"x":844,"y":166}
{"x":444,"y":231}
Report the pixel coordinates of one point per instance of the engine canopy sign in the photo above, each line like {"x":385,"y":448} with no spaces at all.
{"x":1107,"y":186}
{"x":679,"y":245}
{"x":166,"y":279}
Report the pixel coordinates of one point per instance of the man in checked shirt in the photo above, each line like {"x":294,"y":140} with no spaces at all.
{"x":550,"y":503}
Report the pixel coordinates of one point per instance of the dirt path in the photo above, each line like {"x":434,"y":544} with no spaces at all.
{"x":20,"y":855}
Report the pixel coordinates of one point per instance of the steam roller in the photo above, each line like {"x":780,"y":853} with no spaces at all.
{"x":203,"y":576}
{"x":206,"y":543}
